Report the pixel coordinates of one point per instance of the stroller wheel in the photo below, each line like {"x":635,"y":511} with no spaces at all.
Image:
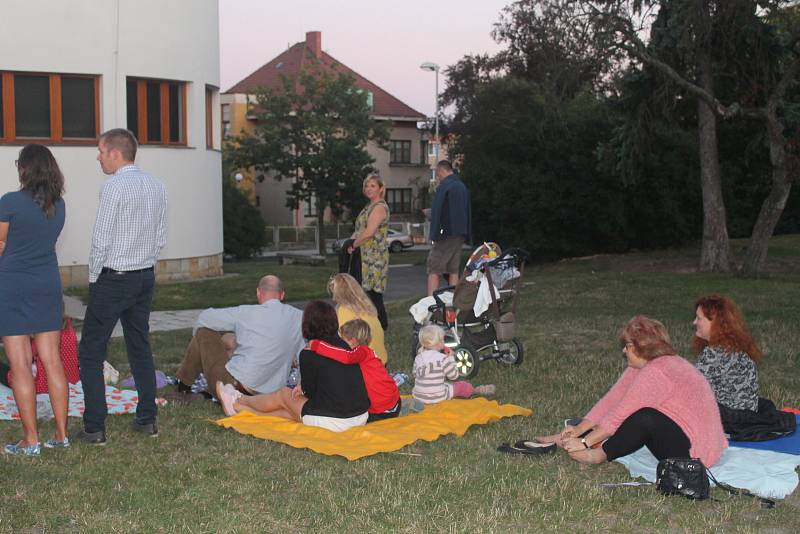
{"x":512,"y":352}
{"x":466,"y":362}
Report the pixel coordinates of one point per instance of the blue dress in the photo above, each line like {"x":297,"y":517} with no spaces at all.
{"x":30,"y":283}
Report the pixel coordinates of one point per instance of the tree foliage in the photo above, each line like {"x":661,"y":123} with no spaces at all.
{"x":596,"y":124}
{"x":243,"y":229}
{"x":314,"y":131}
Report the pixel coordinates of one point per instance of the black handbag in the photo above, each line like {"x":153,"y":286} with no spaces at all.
{"x":690,"y":478}
{"x":682,"y":476}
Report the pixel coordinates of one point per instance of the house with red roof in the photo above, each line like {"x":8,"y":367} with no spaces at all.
{"x":405,"y":167}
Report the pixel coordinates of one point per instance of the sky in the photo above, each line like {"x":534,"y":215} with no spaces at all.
{"x":383,"y":40}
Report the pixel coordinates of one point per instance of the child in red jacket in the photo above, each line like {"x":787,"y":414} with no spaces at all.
{"x":381,"y":388}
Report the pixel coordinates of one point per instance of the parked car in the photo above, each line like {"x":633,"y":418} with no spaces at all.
{"x":397,"y":242}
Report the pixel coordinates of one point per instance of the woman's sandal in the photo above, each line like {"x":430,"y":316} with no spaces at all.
{"x":532,"y":448}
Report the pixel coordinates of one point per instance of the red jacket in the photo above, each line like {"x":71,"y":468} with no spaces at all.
{"x":69,"y":358}
{"x":381,"y":388}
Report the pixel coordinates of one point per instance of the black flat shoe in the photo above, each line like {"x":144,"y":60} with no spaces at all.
{"x":533,"y":444}
{"x":530,"y":448}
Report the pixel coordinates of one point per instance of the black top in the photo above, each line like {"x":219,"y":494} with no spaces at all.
{"x":333,"y":389}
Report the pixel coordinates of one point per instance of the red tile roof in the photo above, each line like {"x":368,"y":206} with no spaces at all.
{"x":290,"y":62}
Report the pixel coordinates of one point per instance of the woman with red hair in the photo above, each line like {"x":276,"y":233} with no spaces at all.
{"x":728,"y":353}
{"x":660,"y":402}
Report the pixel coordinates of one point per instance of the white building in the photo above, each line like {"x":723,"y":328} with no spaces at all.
{"x":70,"y":70}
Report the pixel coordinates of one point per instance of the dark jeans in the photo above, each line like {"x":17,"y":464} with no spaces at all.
{"x":127,"y":298}
{"x":388,"y":414}
{"x":651,"y":428}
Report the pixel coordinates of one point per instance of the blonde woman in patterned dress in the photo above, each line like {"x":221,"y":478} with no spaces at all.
{"x":372,"y":225}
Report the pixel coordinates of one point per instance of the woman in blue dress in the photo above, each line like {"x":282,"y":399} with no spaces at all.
{"x":31,"y":303}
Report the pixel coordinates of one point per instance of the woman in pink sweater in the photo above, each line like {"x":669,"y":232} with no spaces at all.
{"x":661,"y":401}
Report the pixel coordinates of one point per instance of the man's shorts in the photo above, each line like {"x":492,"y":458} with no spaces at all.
{"x":445,"y":255}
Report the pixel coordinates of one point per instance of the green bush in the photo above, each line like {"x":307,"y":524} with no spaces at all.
{"x":243,"y":228}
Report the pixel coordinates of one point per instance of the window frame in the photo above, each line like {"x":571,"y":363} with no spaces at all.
{"x":403,"y":202}
{"x":9,"y":130}
{"x":209,"y":95}
{"x":141,"y":111}
{"x":225,"y":133}
{"x":406,"y":149}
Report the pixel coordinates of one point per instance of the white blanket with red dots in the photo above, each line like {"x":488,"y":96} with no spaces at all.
{"x":119,"y":401}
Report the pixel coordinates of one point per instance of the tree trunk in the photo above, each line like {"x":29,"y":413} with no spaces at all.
{"x":773,"y":206}
{"x":321,"y":226}
{"x":714,"y":253}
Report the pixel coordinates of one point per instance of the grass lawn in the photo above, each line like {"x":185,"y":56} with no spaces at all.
{"x":197,"y":477}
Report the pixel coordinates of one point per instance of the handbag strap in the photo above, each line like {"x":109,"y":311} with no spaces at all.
{"x":765,"y":503}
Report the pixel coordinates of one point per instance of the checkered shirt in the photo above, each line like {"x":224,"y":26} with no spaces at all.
{"x":131,"y":225}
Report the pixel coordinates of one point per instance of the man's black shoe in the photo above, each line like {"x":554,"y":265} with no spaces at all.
{"x":145,"y":428}
{"x":92,"y":438}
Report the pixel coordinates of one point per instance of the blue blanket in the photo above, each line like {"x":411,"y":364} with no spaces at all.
{"x":789,"y":444}
{"x":766,"y":473}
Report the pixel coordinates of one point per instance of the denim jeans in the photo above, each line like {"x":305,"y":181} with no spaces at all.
{"x":126,"y":297}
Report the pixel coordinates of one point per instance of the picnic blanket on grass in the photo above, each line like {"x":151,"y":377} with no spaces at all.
{"x":765,"y":473}
{"x":449,"y":417}
{"x":119,"y":401}
{"x":789,"y":444}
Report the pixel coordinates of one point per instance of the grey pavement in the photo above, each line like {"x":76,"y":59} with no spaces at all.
{"x":405,"y":281}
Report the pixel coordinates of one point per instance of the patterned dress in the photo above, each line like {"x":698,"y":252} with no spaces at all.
{"x":733,"y":377}
{"x":374,"y":251}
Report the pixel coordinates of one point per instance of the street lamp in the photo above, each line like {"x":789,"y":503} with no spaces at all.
{"x":433,"y":67}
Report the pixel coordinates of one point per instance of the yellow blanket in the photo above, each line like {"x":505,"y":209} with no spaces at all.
{"x":450,"y":417}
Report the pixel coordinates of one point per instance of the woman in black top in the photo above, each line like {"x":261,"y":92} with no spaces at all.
{"x":330,"y":395}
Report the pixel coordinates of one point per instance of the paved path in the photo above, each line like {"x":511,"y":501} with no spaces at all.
{"x":405,"y":281}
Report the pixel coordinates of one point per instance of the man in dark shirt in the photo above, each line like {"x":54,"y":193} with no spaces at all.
{"x":451,"y":226}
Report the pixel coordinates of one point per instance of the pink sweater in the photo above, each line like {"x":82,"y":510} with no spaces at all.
{"x":674,"y":387}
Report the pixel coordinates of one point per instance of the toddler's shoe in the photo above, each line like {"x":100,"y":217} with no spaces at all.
{"x":486,"y":390}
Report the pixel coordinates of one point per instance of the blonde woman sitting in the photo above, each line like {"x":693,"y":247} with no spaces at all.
{"x":352,"y":302}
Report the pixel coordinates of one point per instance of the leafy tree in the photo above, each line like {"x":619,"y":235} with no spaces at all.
{"x":314,"y":131}
{"x":528,"y":122}
{"x":752,"y":43}
{"x":242,"y":226}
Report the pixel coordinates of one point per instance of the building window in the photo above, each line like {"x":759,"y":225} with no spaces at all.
{"x":226,"y":121}
{"x":399,"y":201}
{"x":53,"y":108}
{"x":423,"y":152}
{"x":399,"y":151}
{"x":209,"y":117}
{"x":157,"y":111}
{"x":311,"y":207}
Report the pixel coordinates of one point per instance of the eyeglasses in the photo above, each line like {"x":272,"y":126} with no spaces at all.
{"x":626,"y":345}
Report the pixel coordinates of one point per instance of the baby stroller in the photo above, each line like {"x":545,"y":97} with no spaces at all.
{"x":479,"y":322}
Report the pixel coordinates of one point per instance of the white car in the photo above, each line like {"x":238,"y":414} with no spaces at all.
{"x":397,"y":241}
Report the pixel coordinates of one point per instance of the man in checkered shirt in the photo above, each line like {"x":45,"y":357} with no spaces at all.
{"x":129,"y":233}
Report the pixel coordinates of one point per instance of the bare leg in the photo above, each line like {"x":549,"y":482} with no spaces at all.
{"x":433,"y":283}
{"x":20,"y":358}
{"x":48,"y":345}
{"x":589,"y":456}
{"x":453,"y":279}
{"x":281,"y":403}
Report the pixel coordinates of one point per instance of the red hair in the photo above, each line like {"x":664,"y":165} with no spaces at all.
{"x":728,"y":328}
